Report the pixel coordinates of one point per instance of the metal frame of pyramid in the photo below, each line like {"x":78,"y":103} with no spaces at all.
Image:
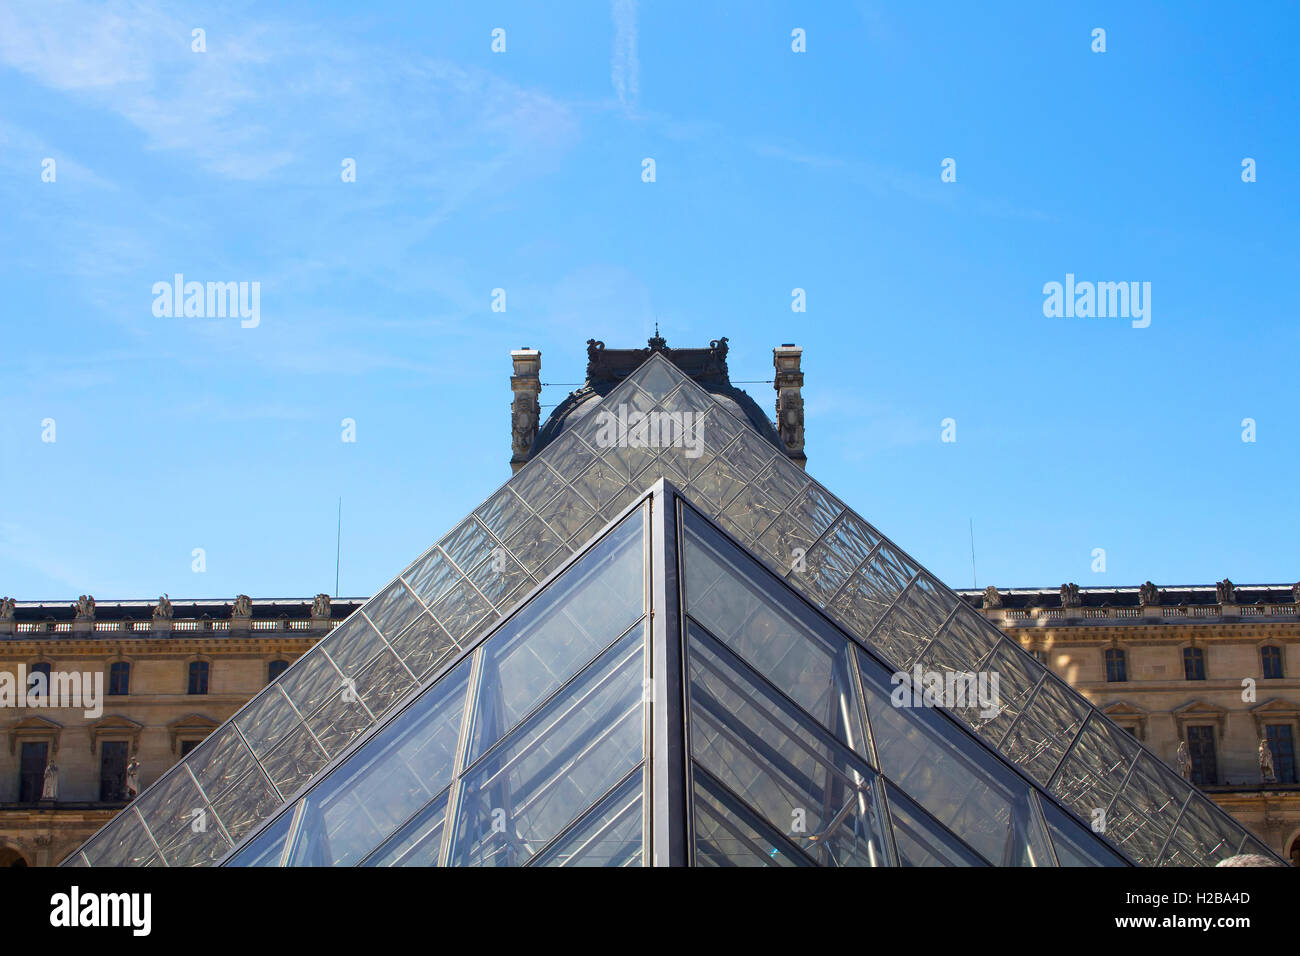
{"x":510,"y":548}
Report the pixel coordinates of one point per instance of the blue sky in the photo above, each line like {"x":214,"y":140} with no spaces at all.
{"x":522,"y":170}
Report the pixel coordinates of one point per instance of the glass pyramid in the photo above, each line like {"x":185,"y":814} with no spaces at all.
{"x":481,"y":708}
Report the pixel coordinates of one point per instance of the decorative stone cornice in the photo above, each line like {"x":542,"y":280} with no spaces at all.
{"x":213,"y":643}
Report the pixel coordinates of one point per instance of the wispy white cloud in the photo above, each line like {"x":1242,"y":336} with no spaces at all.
{"x":266,"y":96}
{"x":265,"y":117}
{"x":22,"y":547}
{"x":624,"y":69}
{"x":22,"y":153}
{"x":885,"y":180}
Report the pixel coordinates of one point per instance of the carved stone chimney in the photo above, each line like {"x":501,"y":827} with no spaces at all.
{"x":789,"y":400}
{"x":525,"y":414}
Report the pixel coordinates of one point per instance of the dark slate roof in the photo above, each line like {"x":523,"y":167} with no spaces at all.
{"x":1177,"y":596}
{"x":182,"y":610}
{"x":607,"y":367}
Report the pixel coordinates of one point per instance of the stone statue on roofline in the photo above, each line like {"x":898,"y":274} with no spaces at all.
{"x":163,"y":610}
{"x":320,"y":605}
{"x":243,"y":606}
{"x":1148,"y":594}
{"x":991,"y":597}
{"x":9,"y":605}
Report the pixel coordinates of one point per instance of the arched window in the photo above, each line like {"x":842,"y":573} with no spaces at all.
{"x":1116,"y":665}
{"x":1271,"y":658}
{"x":119,"y":678}
{"x":275,"y":669}
{"x":1193,"y":663}
{"x":198,"y":677}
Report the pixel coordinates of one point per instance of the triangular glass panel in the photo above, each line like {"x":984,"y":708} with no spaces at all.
{"x":529,"y":745}
{"x":780,"y":701}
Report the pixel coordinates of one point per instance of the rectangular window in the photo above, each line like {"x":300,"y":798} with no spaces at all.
{"x":188,"y":745}
{"x":119,"y":678}
{"x":1116,"y":666}
{"x":198,"y":677}
{"x":1193,"y":663}
{"x":32,"y":779}
{"x":36,"y":686}
{"x":1271,"y":658}
{"x":112,"y":771}
{"x":1281,"y":742}
{"x":1200,"y":744}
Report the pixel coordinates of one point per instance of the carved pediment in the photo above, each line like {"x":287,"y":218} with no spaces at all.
{"x":115,"y":726}
{"x":1199,"y":711}
{"x":190,"y":727}
{"x":34,"y":727}
{"x":1274,"y":711}
{"x":1121,"y":709}
{"x":1126,"y":714}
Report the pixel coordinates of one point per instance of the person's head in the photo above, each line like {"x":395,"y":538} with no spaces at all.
{"x":1248,"y":859}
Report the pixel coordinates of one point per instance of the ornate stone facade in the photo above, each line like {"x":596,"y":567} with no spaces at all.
{"x":152,"y":723}
{"x":1132,"y":652}
{"x":1071,"y":628}
{"x":525,"y":413}
{"x":788,"y":383}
